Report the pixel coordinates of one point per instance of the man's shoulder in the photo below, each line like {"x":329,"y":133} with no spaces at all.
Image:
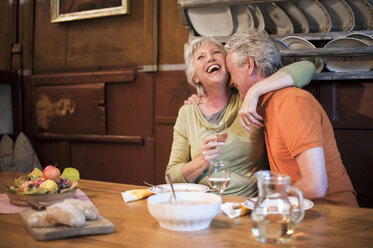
{"x":289,"y":92}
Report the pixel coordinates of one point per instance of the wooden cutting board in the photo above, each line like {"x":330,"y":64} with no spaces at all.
{"x":100,"y":226}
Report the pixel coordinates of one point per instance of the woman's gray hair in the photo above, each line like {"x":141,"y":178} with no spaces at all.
{"x":193,"y":45}
{"x":259,"y":46}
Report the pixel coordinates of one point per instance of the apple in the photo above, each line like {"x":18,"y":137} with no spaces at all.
{"x":39,"y":181}
{"x":51,"y":172}
{"x":27,"y":186}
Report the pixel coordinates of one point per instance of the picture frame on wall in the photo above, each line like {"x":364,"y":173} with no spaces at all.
{"x":70,"y":10}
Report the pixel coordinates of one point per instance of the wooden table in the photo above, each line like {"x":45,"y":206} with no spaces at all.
{"x":323,"y":226}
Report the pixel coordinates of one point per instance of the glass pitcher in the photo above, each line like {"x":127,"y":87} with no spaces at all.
{"x":273,"y":215}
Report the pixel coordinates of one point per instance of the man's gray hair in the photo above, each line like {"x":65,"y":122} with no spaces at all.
{"x":193,"y":45}
{"x":259,"y":46}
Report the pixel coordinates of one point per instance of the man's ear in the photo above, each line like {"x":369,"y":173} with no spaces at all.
{"x":251,"y":65}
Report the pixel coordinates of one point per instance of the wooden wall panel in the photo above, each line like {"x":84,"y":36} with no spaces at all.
{"x":71,"y":109}
{"x":172,"y":33}
{"x":349,"y":106}
{"x":113,"y":162}
{"x":53,"y":152}
{"x":171,"y":91}
{"x":49,"y":41}
{"x":6,"y":37}
{"x":115,"y":41}
{"x":356,"y":149}
{"x":163,"y":138}
{"x":130,"y":107}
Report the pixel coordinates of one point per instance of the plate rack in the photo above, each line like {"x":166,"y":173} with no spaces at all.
{"x":318,"y":39}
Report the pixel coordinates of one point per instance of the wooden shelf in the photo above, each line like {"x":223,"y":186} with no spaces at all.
{"x":189,"y":4}
{"x":92,"y":138}
{"x":343,"y":75}
{"x":316,"y":52}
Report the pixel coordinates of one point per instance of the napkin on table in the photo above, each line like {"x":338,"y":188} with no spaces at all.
{"x":136,"y":194}
{"x":234,"y":209}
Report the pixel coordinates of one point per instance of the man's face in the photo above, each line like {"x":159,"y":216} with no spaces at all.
{"x":240,"y":76}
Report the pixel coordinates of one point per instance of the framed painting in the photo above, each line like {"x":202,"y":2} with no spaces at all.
{"x":69,"y":10}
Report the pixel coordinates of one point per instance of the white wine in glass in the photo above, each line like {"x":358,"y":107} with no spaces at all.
{"x":219,"y":176}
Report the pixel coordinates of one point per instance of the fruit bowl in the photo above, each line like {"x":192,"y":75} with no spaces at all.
{"x":47,"y":199}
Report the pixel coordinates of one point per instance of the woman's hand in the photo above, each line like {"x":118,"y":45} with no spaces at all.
{"x":249,"y":116}
{"x":193,"y":98}
{"x":210,"y":147}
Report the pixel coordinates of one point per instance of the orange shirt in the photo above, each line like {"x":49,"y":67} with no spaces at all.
{"x":295,"y":122}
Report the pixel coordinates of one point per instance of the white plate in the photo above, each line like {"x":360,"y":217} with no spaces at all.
{"x":363,"y":14}
{"x":348,"y":63}
{"x":275,"y":19}
{"x":212,"y":21}
{"x":180,"y":187}
{"x":281,"y":46}
{"x":257,"y":16}
{"x":340,"y":13}
{"x":296,"y":16}
{"x":364,"y":37}
{"x":298,"y":43}
{"x":242,"y":18}
{"x":307,"y":204}
{"x":317,"y":16}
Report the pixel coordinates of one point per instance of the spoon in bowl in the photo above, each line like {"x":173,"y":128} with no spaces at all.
{"x":173,"y":196}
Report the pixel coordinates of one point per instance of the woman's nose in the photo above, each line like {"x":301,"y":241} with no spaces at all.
{"x":210,"y":57}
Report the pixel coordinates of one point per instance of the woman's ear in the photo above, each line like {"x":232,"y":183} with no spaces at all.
{"x":251,"y":65}
{"x":196,"y":79}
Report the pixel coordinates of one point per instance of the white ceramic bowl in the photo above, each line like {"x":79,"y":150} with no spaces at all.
{"x":182,"y":216}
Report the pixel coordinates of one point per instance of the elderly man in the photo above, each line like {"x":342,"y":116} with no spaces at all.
{"x":299,"y":136}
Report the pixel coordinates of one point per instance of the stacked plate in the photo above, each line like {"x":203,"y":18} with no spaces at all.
{"x":212,"y":21}
{"x":283,"y":17}
{"x":275,"y":19}
{"x":282,"y":47}
{"x":341,"y":15}
{"x":316,"y":15}
{"x":350,"y":63}
{"x":296,"y":16}
{"x":363,"y":12}
{"x":298,"y":43}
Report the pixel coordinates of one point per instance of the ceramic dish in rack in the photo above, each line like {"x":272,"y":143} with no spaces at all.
{"x":275,"y":19}
{"x":348,"y":63}
{"x":298,"y":43}
{"x":317,"y":16}
{"x":214,"y":21}
{"x":179,"y":187}
{"x":363,"y":12}
{"x":296,"y":16}
{"x":340,"y":13}
{"x":282,"y":47}
{"x":257,"y":16}
{"x":242,"y":18}
{"x":364,"y":37}
{"x":307,"y":204}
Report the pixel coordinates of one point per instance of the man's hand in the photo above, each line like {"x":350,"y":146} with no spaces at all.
{"x":249,"y":116}
{"x":193,"y":98}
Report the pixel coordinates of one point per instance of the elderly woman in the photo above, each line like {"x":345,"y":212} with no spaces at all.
{"x":193,"y":147}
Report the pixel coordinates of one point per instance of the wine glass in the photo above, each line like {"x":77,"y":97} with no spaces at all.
{"x":219,"y":176}
{"x":221,"y":133}
{"x":219,"y":171}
